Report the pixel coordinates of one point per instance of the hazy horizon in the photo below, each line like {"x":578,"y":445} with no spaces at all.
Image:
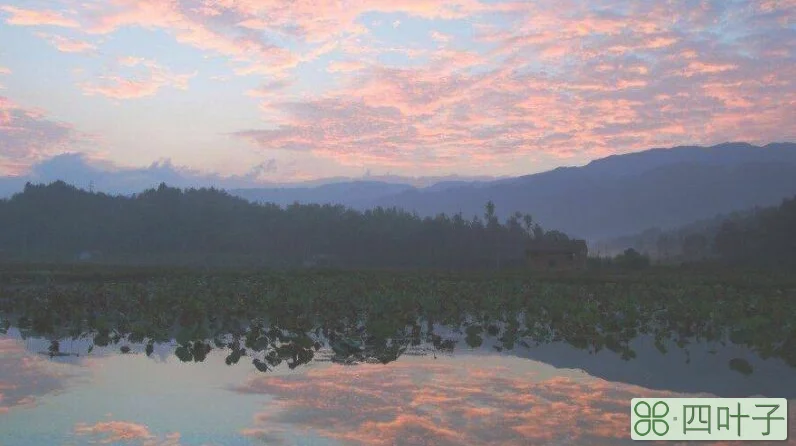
{"x":79,"y":170}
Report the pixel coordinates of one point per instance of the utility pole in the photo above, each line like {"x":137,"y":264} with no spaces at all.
{"x":91,"y":186}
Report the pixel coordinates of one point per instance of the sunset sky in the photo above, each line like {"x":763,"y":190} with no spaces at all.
{"x":295,"y":90}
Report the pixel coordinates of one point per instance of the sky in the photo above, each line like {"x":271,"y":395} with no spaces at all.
{"x":277,"y":91}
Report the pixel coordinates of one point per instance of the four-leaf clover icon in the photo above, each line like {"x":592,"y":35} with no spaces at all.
{"x":651,"y":418}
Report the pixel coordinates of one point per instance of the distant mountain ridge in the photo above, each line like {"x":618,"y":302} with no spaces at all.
{"x":345,"y":192}
{"x":727,"y":154}
{"x":79,"y":170}
{"x":609,"y":197}
{"x":358,"y":194}
{"x":624,"y":194}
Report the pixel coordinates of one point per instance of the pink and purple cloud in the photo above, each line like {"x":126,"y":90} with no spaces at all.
{"x":454,"y":86}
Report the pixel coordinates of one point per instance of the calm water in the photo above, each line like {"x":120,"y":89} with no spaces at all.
{"x":553,"y":393}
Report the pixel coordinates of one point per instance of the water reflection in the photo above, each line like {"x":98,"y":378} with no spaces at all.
{"x":658,"y":360}
{"x":25,"y":377}
{"x":451,"y":401}
{"x":356,"y":377}
{"x":107,"y":432}
{"x":130,"y":399}
{"x":469,"y":397}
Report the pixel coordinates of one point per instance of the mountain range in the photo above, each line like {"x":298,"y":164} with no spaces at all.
{"x":609,"y":197}
{"x":80,"y":171}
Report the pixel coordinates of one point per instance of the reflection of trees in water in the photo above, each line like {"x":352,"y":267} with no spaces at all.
{"x":298,"y":340}
{"x":355,"y":317}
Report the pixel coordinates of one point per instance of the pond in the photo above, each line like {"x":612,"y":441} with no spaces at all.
{"x":376,"y":360}
{"x":349,"y":392}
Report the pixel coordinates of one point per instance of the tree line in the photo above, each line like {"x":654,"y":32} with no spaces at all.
{"x":761,"y":237}
{"x":59,"y":222}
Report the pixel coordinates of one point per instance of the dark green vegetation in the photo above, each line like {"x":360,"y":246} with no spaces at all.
{"x":274,"y":318}
{"x":207,"y":227}
{"x":59,"y":223}
{"x":762,"y":237}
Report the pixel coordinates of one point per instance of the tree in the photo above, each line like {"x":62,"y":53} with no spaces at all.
{"x":489,"y":215}
{"x":493,"y":235}
{"x":632,"y":259}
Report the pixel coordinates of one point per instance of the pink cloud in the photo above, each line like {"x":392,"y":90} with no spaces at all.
{"x":441,"y":37}
{"x":603,"y":99}
{"x":223,"y":27}
{"x":548,"y":78}
{"x":67,"y":45}
{"x":345,"y":66}
{"x":697,"y":67}
{"x":447,"y":60}
{"x":27,"y":136}
{"x":269,"y":90}
{"x":120,"y":88}
{"x":153,"y":77}
{"x":130,"y":61}
{"x":337,"y":127}
{"x":317,"y":20}
{"x":255,"y":55}
{"x":31,"y":17}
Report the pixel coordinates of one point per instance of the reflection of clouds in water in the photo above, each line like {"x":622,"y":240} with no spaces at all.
{"x":108,"y":432}
{"x":445,"y":403}
{"x":450,"y":404}
{"x":24,"y":376}
{"x":492,"y":400}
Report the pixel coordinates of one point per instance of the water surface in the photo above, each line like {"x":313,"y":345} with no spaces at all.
{"x":553,"y":393}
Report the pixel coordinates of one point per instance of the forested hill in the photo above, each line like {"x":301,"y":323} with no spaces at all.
{"x":768,"y":238}
{"x":763,"y":237}
{"x":624,"y":194}
{"x":58,"y":222}
{"x":609,"y":197}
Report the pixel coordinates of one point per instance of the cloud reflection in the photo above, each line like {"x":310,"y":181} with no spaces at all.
{"x":452,"y":403}
{"x":448,"y":403}
{"x":109,"y":432}
{"x":25,"y":377}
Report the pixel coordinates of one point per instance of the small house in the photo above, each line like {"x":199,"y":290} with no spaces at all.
{"x":557,"y":255}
